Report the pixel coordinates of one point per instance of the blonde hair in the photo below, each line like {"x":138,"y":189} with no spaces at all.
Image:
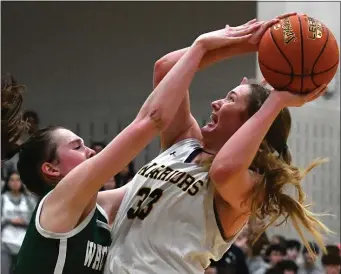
{"x":276,"y":174}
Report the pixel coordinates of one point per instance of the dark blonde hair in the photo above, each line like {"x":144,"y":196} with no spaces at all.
{"x":273,"y":164}
{"x":12,"y":124}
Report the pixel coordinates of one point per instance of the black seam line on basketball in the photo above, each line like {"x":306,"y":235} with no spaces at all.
{"x":282,"y":87}
{"x":291,"y":68}
{"x":302,"y":53}
{"x":298,"y":75}
{"x":318,"y":57}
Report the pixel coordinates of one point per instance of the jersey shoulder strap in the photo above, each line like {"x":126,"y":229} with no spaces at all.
{"x":182,"y":149}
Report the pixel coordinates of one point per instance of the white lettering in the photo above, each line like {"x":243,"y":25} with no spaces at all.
{"x":90,"y":252}
{"x":97,"y":261}
{"x":104,"y":255}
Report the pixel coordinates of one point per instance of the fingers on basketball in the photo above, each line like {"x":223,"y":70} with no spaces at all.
{"x":311,"y":96}
{"x":248,"y":30}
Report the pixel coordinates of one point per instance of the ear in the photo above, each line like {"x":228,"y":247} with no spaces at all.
{"x":244,"y":81}
{"x":50,"y":170}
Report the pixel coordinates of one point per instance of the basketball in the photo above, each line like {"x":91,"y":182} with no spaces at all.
{"x":298,"y":54}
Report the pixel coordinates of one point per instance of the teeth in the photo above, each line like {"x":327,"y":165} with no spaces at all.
{"x":213,"y":118}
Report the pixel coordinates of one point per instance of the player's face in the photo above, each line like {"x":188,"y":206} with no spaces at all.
{"x":228,"y":115}
{"x":71,"y":151}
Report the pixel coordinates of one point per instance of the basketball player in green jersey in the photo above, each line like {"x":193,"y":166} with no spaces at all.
{"x":70,"y":229}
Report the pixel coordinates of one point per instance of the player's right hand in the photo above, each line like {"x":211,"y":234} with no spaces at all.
{"x":295,"y":99}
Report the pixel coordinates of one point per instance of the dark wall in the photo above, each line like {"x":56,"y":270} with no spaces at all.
{"x":86,"y":62}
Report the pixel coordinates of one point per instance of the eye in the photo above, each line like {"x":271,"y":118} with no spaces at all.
{"x":230,"y":98}
{"x":78,"y":147}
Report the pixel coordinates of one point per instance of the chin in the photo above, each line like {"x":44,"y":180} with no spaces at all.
{"x":208,"y":133}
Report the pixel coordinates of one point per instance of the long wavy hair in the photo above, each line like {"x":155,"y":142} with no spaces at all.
{"x":276,"y":172}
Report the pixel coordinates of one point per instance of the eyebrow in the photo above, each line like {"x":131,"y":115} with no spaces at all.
{"x":232,"y":92}
{"x":78,"y":141}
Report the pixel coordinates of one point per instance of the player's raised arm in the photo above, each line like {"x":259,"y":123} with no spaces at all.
{"x":183,"y":124}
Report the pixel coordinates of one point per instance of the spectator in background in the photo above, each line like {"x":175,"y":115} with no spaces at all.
{"x":33,"y":121}
{"x":256,"y":260}
{"x":309,"y":265}
{"x":16,"y":210}
{"x":97,"y":146}
{"x":211,"y":270}
{"x":293,"y":249}
{"x":125,"y":175}
{"x":274,"y":254}
{"x":283,"y":267}
{"x":332,"y":261}
{"x":278,"y":239}
{"x":111,"y":184}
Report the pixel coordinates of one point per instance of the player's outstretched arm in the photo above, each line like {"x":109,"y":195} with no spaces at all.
{"x":75,"y":195}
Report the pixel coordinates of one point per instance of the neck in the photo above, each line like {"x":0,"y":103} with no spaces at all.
{"x":210,"y":149}
{"x":15,"y":192}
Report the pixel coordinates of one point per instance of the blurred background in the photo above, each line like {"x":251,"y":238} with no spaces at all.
{"x":88,"y":66}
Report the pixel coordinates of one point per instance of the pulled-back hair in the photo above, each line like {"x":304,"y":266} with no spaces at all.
{"x":12,"y":124}
{"x":274,"y":165}
{"x":39,"y":148}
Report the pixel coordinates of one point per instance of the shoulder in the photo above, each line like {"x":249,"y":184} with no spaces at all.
{"x":54,"y":235}
{"x":185,"y":144}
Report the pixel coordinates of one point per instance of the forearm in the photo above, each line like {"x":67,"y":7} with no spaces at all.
{"x":239,"y":151}
{"x":165,"y":100}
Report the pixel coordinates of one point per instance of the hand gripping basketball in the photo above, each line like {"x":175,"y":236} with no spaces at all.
{"x":293,"y":99}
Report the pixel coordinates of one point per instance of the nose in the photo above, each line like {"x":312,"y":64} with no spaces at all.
{"x":90,"y":152}
{"x":216,"y":105}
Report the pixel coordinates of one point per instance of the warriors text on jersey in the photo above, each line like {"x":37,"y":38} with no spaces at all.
{"x":166,"y":222}
{"x":82,"y":250}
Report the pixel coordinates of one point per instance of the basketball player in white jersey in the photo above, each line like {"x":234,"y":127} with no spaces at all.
{"x":188,"y":205}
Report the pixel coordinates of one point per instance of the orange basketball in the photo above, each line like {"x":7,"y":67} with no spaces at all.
{"x":298,"y":54}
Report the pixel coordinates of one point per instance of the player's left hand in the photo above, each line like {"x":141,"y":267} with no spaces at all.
{"x":252,"y":43}
{"x":265,"y":25}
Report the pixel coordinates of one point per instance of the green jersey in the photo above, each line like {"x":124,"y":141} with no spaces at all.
{"x":82,"y":250}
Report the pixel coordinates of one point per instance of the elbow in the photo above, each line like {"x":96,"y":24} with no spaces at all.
{"x":159,"y":118}
{"x":154,"y":119}
{"x":161,"y":68}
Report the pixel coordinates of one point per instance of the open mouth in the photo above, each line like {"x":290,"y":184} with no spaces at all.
{"x":214,"y":118}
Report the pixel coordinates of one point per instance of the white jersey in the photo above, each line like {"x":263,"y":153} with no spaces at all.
{"x":166,"y":222}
